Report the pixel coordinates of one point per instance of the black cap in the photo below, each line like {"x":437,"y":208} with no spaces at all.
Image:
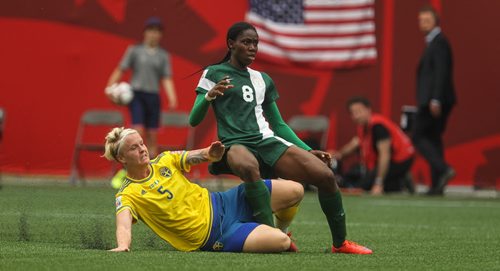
{"x":153,"y":22}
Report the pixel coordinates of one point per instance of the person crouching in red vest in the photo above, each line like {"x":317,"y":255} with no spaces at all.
{"x":386,"y":151}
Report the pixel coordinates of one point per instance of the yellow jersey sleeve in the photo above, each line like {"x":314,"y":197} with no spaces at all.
{"x":179,"y":160}
{"x":122,"y":202}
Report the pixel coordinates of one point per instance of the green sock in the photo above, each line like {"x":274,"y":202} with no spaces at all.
{"x":331,"y":204}
{"x":259,"y":199}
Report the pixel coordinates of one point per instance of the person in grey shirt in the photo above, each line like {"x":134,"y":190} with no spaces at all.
{"x":150,"y":65}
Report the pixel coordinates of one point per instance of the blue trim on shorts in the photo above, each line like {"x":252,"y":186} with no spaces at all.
{"x":269,"y":185}
{"x":232,"y":220}
{"x":216,"y":219}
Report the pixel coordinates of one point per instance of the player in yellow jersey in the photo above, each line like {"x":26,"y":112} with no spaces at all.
{"x":184,"y":214}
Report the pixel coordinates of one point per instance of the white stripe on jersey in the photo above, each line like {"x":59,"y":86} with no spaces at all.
{"x":259,"y":87}
{"x":205,"y":83}
{"x":284,"y":141}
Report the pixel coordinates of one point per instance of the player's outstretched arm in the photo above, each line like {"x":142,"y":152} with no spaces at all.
{"x":123,"y":231}
{"x":212,"y":153}
{"x":199,"y":110}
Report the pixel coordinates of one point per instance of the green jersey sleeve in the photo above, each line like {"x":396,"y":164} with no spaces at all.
{"x":199,"y":109}
{"x":207,"y":81}
{"x":200,"y":106}
{"x":271,"y":91}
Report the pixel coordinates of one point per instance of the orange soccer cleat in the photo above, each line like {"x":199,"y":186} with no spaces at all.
{"x":351,"y":247}
{"x":293,"y":247}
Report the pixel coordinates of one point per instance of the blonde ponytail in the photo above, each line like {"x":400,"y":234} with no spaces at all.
{"x":114,"y":141}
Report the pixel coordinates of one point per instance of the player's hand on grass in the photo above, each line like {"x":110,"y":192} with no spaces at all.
{"x":220,"y":87}
{"x":215,"y":151}
{"x":324,"y":156}
{"x":120,"y":249}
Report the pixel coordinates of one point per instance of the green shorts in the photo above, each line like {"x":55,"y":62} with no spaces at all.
{"x":267,"y":152}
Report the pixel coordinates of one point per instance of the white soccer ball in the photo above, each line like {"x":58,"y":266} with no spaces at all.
{"x":120,"y":93}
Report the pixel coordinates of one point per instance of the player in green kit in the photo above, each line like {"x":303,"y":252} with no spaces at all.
{"x":244,"y":104}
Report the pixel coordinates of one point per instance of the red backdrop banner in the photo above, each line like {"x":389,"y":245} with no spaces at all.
{"x":58,"y":55}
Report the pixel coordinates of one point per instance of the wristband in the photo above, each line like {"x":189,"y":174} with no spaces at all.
{"x":379,"y":181}
{"x":208,"y":98}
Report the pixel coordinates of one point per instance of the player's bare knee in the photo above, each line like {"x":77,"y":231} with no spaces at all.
{"x":284,"y":242}
{"x":248,"y":173}
{"x":326,"y":181}
{"x":279,"y":241}
{"x":296,"y":192}
{"x":324,"y":175}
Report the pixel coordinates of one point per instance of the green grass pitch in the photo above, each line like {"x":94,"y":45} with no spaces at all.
{"x":68,"y":228}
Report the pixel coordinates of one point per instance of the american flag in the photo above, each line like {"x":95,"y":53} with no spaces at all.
{"x":315,"y":33}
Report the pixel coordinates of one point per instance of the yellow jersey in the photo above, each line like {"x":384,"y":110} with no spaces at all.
{"x":177,"y":210}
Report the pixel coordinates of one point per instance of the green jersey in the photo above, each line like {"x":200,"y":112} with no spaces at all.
{"x":239,"y":111}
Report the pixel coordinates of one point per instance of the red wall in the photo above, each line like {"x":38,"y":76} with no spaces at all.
{"x":57,"y":56}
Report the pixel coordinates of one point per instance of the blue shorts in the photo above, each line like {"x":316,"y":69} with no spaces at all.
{"x":145,"y":109}
{"x":232,"y":220}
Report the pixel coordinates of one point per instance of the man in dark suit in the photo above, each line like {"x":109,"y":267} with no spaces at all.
{"x":435,"y":98}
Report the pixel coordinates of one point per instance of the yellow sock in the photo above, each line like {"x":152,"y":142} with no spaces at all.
{"x":284,"y":217}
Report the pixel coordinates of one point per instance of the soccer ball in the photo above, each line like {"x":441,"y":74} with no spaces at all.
{"x":120,"y":93}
